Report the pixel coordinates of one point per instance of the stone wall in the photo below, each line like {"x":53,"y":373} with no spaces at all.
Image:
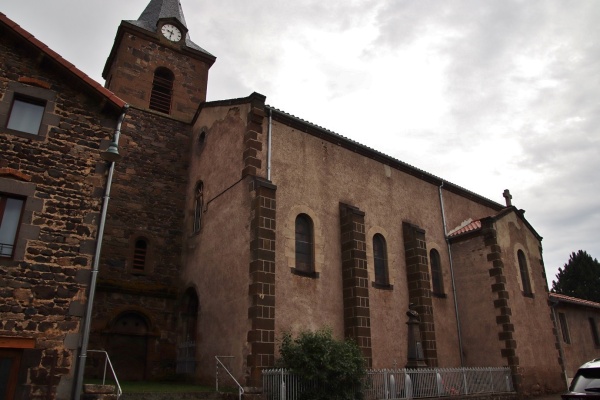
{"x":147,"y":202}
{"x":60,"y":175}
{"x":131,"y":73}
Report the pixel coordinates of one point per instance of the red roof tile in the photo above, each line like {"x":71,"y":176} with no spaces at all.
{"x":573,"y":300}
{"x":472,"y":226}
{"x":92,"y":84}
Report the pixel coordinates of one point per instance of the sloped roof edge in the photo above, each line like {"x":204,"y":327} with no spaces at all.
{"x":61,"y":62}
{"x":475,"y":226}
{"x":521,"y":215}
{"x":369,"y":152}
{"x":562,"y":298}
{"x":470,"y":227}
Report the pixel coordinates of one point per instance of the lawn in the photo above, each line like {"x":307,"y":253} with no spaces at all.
{"x":157,"y":387}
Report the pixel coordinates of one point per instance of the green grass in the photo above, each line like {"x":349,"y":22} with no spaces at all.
{"x":157,"y":387}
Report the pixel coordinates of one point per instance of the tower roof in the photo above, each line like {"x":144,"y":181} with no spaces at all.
{"x":162,"y":9}
{"x":158,"y":9}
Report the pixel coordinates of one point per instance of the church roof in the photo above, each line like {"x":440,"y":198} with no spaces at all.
{"x":158,"y":9}
{"x":369,"y":152}
{"x":469,"y":225}
{"x":161,"y":9}
{"x":91,"y":85}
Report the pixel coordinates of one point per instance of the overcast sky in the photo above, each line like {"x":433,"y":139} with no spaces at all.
{"x":489,"y":95}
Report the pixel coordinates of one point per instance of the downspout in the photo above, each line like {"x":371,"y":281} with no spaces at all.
{"x":458,"y":330}
{"x":561,"y":352}
{"x":90,"y":301}
{"x":269,"y":149}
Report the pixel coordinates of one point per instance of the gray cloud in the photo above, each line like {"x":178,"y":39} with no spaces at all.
{"x":518,"y":82}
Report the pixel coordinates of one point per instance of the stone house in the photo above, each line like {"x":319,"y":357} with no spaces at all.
{"x":231,"y":222}
{"x":53,"y":121}
{"x":577,"y":321}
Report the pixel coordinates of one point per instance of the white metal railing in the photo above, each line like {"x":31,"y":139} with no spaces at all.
{"x":402,"y":383}
{"x":109,"y":364}
{"x":220,"y":363}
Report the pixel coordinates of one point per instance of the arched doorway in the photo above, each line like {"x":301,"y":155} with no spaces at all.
{"x":188,"y":322}
{"x":127,"y":345}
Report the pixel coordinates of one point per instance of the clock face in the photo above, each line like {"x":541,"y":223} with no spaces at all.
{"x":171,"y":32}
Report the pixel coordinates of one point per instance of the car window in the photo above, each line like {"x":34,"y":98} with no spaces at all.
{"x":586,"y":380}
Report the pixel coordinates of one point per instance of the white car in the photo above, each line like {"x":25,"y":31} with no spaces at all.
{"x":586,"y":383}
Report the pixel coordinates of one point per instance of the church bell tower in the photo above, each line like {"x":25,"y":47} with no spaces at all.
{"x":154,"y":65}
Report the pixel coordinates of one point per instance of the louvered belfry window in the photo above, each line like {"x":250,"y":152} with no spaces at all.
{"x":162,"y":90}
{"x":139,"y":254}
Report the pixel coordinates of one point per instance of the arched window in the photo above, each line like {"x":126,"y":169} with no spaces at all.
{"x":162,"y":90}
{"x":198,"y":205}
{"x":437,"y":279}
{"x":139,"y":254}
{"x":304,"y":244}
{"x":524,"y":273}
{"x":380,"y":260}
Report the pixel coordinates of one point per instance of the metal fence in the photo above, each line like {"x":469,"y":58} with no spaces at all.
{"x":280,"y":384}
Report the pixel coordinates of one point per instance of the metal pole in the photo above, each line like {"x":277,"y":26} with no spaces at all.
{"x":90,"y":301}
{"x":458,"y":329}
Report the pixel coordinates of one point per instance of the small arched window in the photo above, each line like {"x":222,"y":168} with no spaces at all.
{"x":524,"y":271}
{"x":304,"y":244}
{"x":162,"y":90}
{"x":380,"y":260}
{"x":437,"y":279}
{"x":198,"y":205}
{"x":140,"y":252}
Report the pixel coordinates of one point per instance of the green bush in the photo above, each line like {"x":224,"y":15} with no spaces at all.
{"x":336,"y":367}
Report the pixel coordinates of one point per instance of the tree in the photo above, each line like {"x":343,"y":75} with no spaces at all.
{"x":579,"y":278}
{"x":336,"y":367}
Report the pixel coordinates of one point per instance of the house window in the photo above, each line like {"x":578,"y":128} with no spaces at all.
{"x":140,"y":252}
{"x":304,"y":244}
{"x":437,"y":279}
{"x":380,"y":260}
{"x":11,"y":209}
{"x":28,"y":110}
{"x":564,"y":329}
{"x":26,"y":115}
{"x":524,"y":273}
{"x":162,"y":90}
{"x":198,"y":205}
{"x":594,"y":329}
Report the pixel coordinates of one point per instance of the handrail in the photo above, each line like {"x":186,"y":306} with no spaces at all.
{"x":240,"y":388}
{"x":107,"y":360}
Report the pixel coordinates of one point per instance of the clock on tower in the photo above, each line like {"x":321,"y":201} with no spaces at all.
{"x":171,"y":81}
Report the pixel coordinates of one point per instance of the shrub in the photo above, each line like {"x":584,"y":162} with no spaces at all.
{"x":336,"y":367}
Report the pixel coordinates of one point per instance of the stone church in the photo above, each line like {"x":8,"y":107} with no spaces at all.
{"x":229,"y":223}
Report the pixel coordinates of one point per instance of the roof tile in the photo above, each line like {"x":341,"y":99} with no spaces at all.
{"x":472,"y":226}
{"x":573,"y":300}
{"x":92,"y":84}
